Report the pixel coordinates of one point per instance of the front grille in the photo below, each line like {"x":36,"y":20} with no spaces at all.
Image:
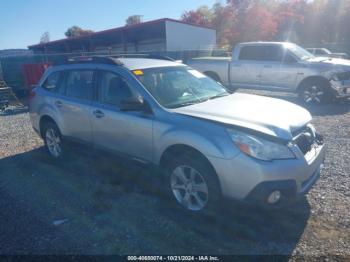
{"x":304,"y":143}
{"x":305,"y":138}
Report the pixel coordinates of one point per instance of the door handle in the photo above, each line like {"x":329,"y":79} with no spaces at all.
{"x":236,"y":65}
{"x":98,"y":114}
{"x":268,"y":66}
{"x":58,"y":103}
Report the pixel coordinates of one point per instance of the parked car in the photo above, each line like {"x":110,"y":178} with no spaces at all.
{"x":210,"y":143}
{"x":324,"y":52}
{"x":279,"y":66}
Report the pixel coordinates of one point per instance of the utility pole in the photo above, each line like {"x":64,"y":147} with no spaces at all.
{"x":1,"y":74}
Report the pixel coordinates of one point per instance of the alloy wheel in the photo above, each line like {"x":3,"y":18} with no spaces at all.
{"x":189,"y":188}
{"x":313,"y":94}
{"x":53,"y":142}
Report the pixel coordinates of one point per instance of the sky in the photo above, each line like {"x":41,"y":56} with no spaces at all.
{"x":24,"y":21}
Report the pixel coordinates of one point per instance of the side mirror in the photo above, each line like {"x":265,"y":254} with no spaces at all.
{"x":132,"y":104}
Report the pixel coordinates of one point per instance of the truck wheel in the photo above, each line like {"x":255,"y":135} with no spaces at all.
{"x":316,"y":92}
{"x":193,"y":184}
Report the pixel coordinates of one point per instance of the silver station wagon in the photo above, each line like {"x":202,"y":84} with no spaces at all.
{"x":210,"y":143}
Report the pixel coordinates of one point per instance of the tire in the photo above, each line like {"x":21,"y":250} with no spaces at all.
{"x":193,"y":184}
{"x":316,"y":92}
{"x":53,"y":140}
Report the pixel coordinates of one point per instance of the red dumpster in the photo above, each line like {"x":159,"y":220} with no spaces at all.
{"x":33,"y":72}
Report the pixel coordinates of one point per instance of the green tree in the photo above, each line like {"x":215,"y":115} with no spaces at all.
{"x":45,"y":37}
{"x":133,"y":20}
{"x":76,"y":31}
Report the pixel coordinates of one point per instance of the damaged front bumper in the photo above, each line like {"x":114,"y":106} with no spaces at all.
{"x":341,"y":88}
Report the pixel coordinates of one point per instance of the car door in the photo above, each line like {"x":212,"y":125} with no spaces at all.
{"x":74,"y":104}
{"x":245,"y":71}
{"x":126,"y":132}
{"x":279,"y":70}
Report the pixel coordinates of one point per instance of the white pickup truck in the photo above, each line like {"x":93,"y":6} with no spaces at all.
{"x":279,"y":66}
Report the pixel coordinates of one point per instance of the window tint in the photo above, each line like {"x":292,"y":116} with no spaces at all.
{"x":251,"y":53}
{"x":273,"y":53}
{"x":262,"y":53}
{"x":288,"y":58}
{"x":79,"y":84}
{"x":113,"y":88}
{"x":320,"y":52}
{"x":52,"y":83}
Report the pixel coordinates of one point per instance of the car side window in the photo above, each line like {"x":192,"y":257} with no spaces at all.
{"x":254,"y":53}
{"x":113,"y":88}
{"x":320,"y":52}
{"x":53,"y":82}
{"x":79,"y":84}
{"x":273,"y":53}
{"x":288,"y":58}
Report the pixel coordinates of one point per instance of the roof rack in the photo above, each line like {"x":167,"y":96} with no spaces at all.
{"x":150,"y":56}
{"x":94,"y":59}
{"x":110,"y":59}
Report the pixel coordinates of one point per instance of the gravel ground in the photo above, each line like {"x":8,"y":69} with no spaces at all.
{"x":112,"y":206}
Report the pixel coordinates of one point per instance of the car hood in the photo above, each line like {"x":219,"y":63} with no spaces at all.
{"x":270,"y":116}
{"x":331,"y":62}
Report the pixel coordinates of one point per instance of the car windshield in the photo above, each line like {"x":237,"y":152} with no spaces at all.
{"x":299,"y":52}
{"x":179,"y":86}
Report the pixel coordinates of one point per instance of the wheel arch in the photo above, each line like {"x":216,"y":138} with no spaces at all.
{"x":213,"y":76}
{"x":311,"y":79}
{"x":43,"y":120}
{"x":176,"y":149}
{"x":182,"y":149}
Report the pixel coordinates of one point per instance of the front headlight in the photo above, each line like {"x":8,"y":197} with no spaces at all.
{"x":341,"y":76}
{"x":258,"y":147}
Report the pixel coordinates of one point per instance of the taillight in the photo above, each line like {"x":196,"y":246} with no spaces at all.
{"x":31,"y":94}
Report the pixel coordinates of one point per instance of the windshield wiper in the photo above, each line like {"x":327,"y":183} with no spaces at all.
{"x":186,"y":104}
{"x":218,"y":96}
{"x":189,"y":103}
